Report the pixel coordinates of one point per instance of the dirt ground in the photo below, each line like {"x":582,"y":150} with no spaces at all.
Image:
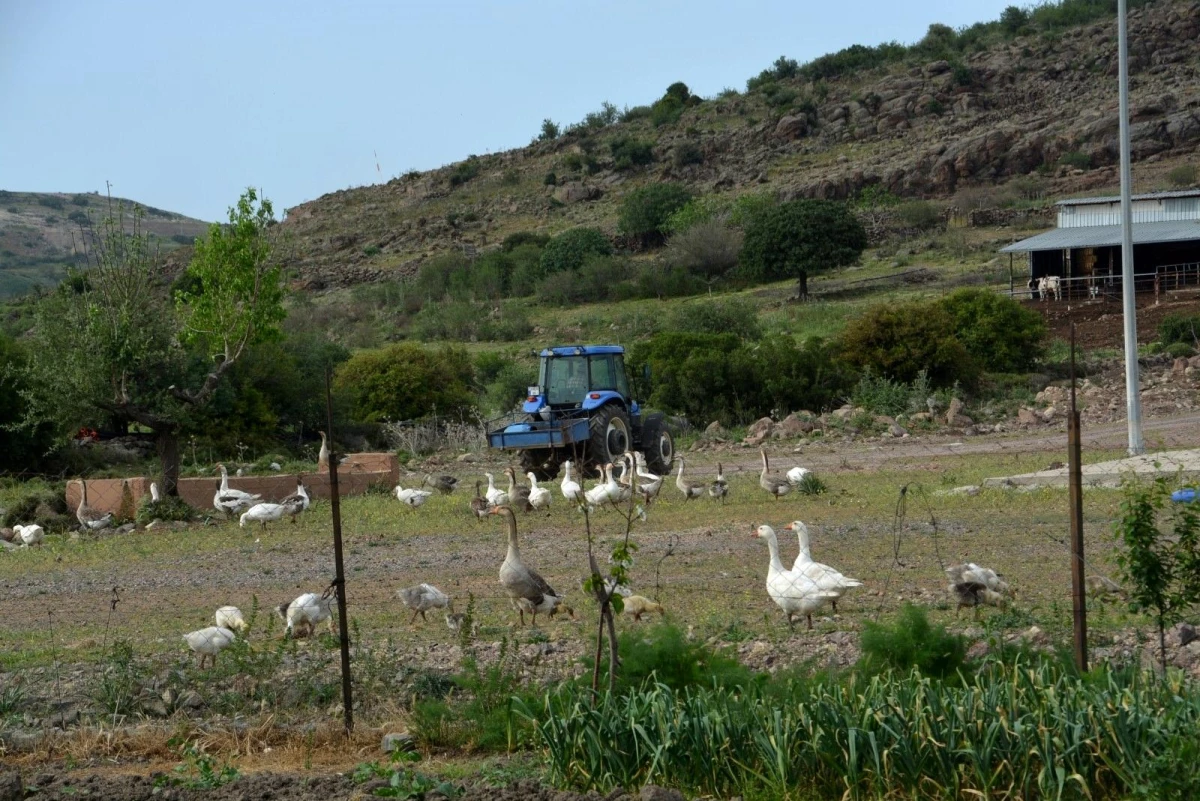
{"x":697,"y":558}
{"x":1100,"y":322}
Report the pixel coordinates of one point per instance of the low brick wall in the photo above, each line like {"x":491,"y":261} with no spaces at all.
{"x":360,"y":471}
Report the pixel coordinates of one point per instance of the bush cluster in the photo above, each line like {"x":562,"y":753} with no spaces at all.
{"x":406,"y":382}
{"x":646,"y":210}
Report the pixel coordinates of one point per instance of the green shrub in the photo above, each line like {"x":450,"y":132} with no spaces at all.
{"x":551,"y":179}
{"x":464,"y":171}
{"x":900,"y":340}
{"x":645,"y":211}
{"x":170,"y":507}
{"x":183,"y":239}
{"x":1179,"y":328}
{"x":881,"y":395}
{"x":1177,"y":350}
{"x":569,"y":250}
{"x":661,"y":653}
{"x":666,"y":111}
{"x":635,"y":113}
{"x":599,"y":279}
{"x":370,"y":251}
{"x":1183,"y":175}
{"x":516,"y":240}
{"x":726,"y":316}
{"x":629,"y":152}
{"x":526,"y":270}
{"x":406,"y":382}
{"x":709,"y":248}
{"x":919,"y":214}
{"x":79,"y":217}
{"x":51,"y":202}
{"x":998,"y":332}
{"x":811,"y":484}
{"x":80,"y":200}
{"x":1077,"y":159}
{"x":667,"y":281}
{"x":39,"y":503}
{"x":25,"y":443}
{"x":550,"y":130}
{"x":686,"y":153}
{"x":1013,"y":19}
{"x":912,"y":642}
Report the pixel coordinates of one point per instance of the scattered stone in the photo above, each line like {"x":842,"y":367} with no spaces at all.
{"x":793,"y":426}
{"x":969,"y":489}
{"x":1049,"y":414}
{"x":1179,"y":366}
{"x":7,"y":534}
{"x":759,"y":430}
{"x":397,"y":741}
{"x":11,"y":788}
{"x":467,"y":457}
{"x":716,"y":431}
{"x":954,"y":410}
{"x":1028,"y":417}
{"x":125,"y":529}
{"x":844,"y":413}
{"x":897,"y":431}
{"x":1186,"y":633}
{"x":653,"y":792}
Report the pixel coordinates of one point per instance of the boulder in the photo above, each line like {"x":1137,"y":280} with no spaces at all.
{"x":1028,"y":417}
{"x":1049,"y":414}
{"x":397,"y":741}
{"x":759,"y":430}
{"x":792,"y":127}
{"x":715,"y":431}
{"x":897,"y":431}
{"x":1179,"y":366}
{"x":653,"y":792}
{"x":793,"y":426}
{"x":576,"y":192}
{"x":844,"y":413}
{"x":1186,"y":634}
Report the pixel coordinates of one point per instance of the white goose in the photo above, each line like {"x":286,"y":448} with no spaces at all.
{"x":652,"y":484}
{"x":539,"y":497}
{"x":31,"y":534}
{"x":154,"y":496}
{"x":323,"y":454}
{"x":209,"y":642}
{"x":571,"y":489}
{"x":797,"y":474}
{"x":230,"y":617}
{"x":690,"y":489}
{"x":411,"y":497}
{"x":825,"y":576}
{"x":423,"y":597}
{"x":793,"y":592}
{"x":495,"y":497}
{"x":230,"y":493}
{"x":264,"y":513}
{"x":600,"y":493}
{"x":306,"y":612}
{"x":527,"y":589}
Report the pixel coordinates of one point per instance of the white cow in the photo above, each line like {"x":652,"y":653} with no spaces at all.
{"x":1049,"y":285}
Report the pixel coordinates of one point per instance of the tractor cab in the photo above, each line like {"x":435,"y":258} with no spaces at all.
{"x":582,"y":377}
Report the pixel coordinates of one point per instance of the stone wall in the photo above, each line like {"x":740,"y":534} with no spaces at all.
{"x":359,"y":472}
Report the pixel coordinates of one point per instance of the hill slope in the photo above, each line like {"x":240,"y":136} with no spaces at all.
{"x":39,"y":232}
{"x":1042,"y":104}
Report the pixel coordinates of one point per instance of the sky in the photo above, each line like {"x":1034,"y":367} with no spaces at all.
{"x":183,"y":105}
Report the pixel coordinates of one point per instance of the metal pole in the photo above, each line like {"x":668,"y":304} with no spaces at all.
{"x":339,"y":581}
{"x":1075,"y":477}
{"x":1133,"y":399}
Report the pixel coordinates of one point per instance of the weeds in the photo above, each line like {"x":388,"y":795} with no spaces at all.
{"x":197,"y":771}
{"x":120,"y":681}
{"x":402,"y":781}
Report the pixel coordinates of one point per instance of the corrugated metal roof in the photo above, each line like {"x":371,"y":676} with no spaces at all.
{"x":1084,"y":201}
{"x":1097,"y":236}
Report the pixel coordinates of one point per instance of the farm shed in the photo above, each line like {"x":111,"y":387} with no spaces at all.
{"x":1084,"y":251}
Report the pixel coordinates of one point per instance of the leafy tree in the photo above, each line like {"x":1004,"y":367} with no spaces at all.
{"x":900,"y":340}
{"x":23,"y":446}
{"x":117,"y":348}
{"x":629,"y":152}
{"x":406,"y":382}
{"x":1000,"y":333}
{"x":645,"y":212}
{"x":549,"y":130}
{"x":1161,"y":568}
{"x":800,"y":237}
{"x":570,"y":249}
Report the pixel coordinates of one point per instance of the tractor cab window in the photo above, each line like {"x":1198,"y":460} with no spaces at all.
{"x":622,"y":380}
{"x":602,"y":373}
{"x":566,"y":380}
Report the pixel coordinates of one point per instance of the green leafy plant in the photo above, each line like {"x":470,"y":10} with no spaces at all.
{"x":119,"y":681}
{"x":1160,"y":567}
{"x":569,"y":250}
{"x":811,"y":484}
{"x":402,"y":781}
{"x":1183,"y":175}
{"x":549,"y":131}
{"x":197,"y":770}
{"x":464,"y":171}
{"x":900,"y":340}
{"x":1183,"y":328}
{"x":911,"y":641}
{"x":998,"y":332}
{"x":645,"y":211}
{"x":800,"y":237}
{"x":629,"y":152}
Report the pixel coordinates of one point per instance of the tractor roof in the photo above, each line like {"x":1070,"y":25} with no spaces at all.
{"x":582,"y":350}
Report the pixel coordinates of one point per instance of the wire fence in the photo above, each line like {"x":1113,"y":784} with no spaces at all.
{"x":158,"y":644}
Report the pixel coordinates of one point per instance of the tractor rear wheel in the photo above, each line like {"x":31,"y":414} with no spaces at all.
{"x":609,"y":434}
{"x":658,"y":445}
{"x":542,"y":462}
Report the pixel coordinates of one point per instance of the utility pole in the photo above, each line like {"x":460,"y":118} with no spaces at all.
{"x":339,"y":581}
{"x":1075,"y":479}
{"x":1133,"y":399}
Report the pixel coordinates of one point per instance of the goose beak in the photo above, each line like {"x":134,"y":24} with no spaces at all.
{"x":790,"y":527}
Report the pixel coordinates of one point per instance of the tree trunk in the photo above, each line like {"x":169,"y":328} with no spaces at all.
{"x":168,"y":454}
{"x":596,"y":664}
{"x":613,"y":660}
{"x":802,"y":285}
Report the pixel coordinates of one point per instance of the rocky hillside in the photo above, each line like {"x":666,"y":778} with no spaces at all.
{"x":1039,"y":108}
{"x":39,"y":233}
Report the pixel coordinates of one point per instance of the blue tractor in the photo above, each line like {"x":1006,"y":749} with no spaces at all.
{"x":582,"y":410}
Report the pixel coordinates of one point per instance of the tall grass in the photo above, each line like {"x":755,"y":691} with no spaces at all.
{"x":1022,"y":730}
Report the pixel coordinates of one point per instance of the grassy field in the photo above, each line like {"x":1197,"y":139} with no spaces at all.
{"x":172,"y":581}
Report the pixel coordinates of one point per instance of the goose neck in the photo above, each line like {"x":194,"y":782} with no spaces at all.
{"x":773,"y":547}
{"x":514,"y":548}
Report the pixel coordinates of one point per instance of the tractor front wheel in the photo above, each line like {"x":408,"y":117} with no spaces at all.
{"x":658,"y":445}
{"x":609,"y":434}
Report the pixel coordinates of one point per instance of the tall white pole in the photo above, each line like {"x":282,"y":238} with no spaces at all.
{"x":1133,"y":398}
